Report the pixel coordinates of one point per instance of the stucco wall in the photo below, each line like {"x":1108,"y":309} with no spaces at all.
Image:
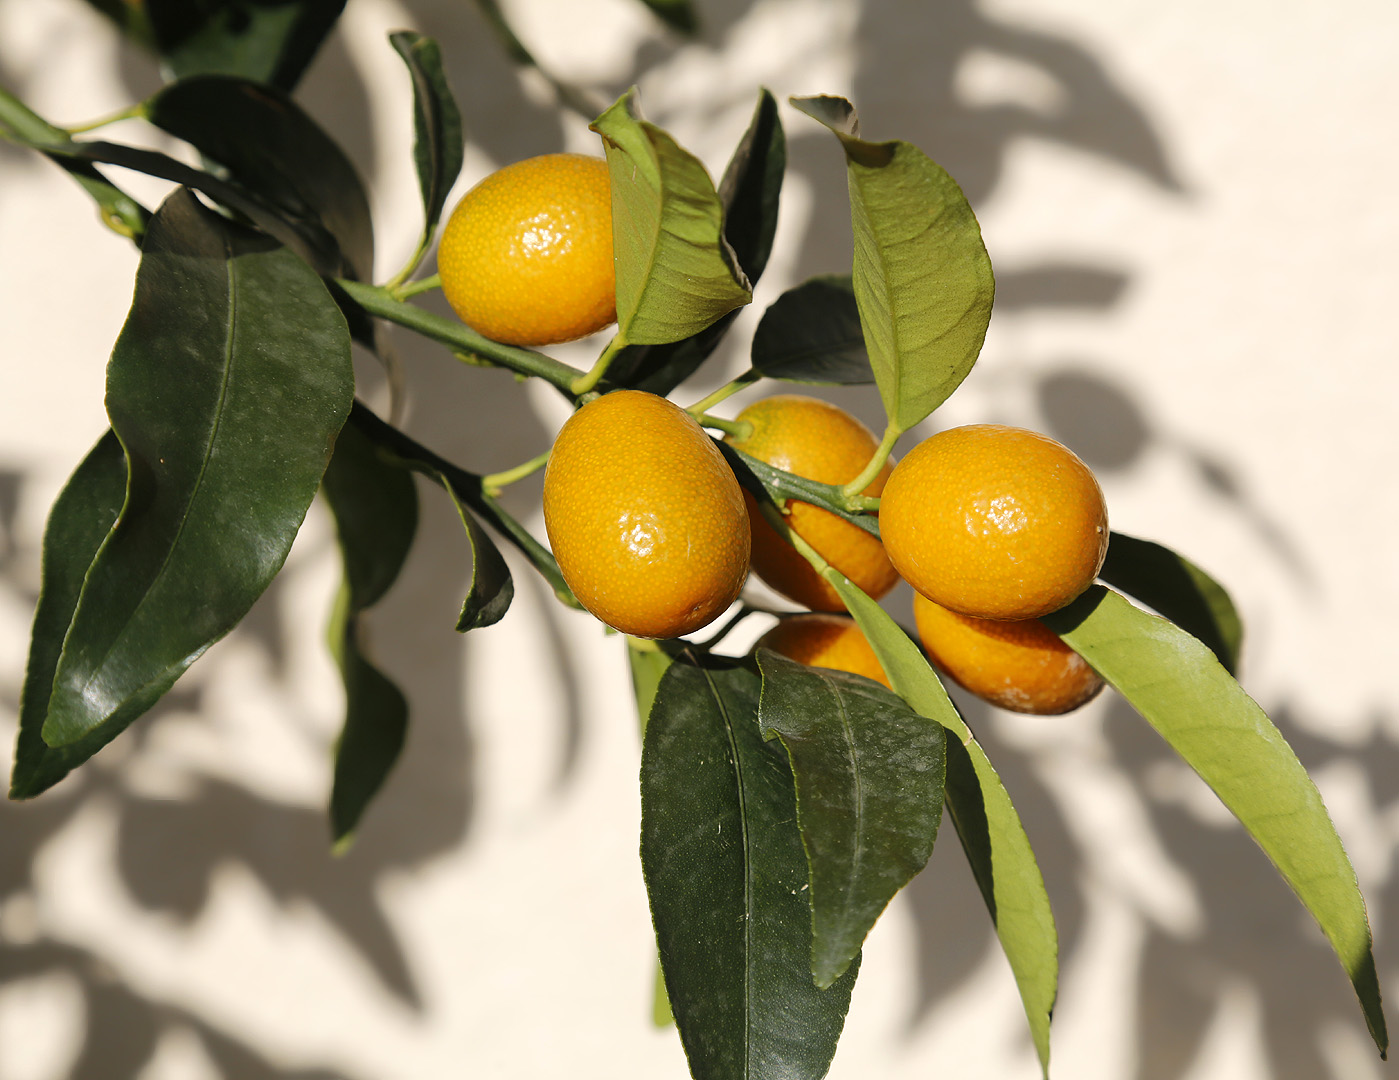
{"x":1190,"y":208}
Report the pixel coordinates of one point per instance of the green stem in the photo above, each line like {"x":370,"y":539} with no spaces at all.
{"x":585,"y":383}
{"x":128,"y":113}
{"x":395,"y":285}
{"x":413,"y":288}
{"x":748,"y":378}
{"x":854,"y":491}
{"x":739,"y":429}
{"x":380,"y":303}
{"x":493,"y":482}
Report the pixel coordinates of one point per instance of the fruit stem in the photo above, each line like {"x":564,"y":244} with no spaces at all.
{"x":583,"y":383}
{"x":492,"y":483}
{"x":128,"y":113}
{"x":402,"y":290}
{"x":739,"y":429}
{"x":726,"y":391}
{"x":778,"y":521}
{"x":854,"y":491}
{"x":738,"y":616}
{"x":461,"y":338}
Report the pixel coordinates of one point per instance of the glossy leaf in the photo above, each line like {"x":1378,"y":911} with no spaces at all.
{"x":869,"y":774}
{"x":988,"y":826}
{"x":227,"y":415}
{"x":81,"y":516}
{"x":492,"y":587}
{"x":922,"y":277}
{"x":749,"y":193}
{"x":675,"y":273}
{"x":812,"y":334}
{"x":269,"y":41}
{"x":761,"y":478}
{"x":376,"y":516}
{"x":726,"y":876}
{"x":1181,"y":689}
{"x":437,"y":130}
{"x":1178,"y":589}
{"x":274,"y":150}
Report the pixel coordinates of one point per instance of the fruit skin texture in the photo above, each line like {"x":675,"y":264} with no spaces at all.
{"x":644,"y":516}
{"x":824,"y":640}
{"x":526,"y":256}
{"x":1022,"y":666}
{"x":995,"y":522}
{"x":822,"y":442}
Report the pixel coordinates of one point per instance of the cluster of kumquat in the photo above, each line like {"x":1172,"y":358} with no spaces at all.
{"x":993,"y":526}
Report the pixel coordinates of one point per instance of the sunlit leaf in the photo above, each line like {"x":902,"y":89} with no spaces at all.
{"x":922,"y":277}
{"x":675,"y":273}
{"x":812,"y":334}
{"x":376,"y":515}
{"x":869,"y":775}
{"x":725,"y":872}
{"x":1181,"y":689}
{"x":988,"y":826}
{"x":227,"y":415}
{"x":749,"y":193}
{"x":1178,"y":589}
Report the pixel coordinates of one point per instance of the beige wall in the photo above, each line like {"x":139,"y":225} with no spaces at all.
{"x":1190,"y":207}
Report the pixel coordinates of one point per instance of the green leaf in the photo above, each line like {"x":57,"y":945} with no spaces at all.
{"x":725,"y":872}
{"x":81,"y":516}
{"x":269,"y":41}
{"x":992,"y":835}
{"x":1183,"y":692}
{"x":675,"y":273}
{"x":492,"y":587}
{"x":812,"y":335}
{"x":869,"y":775}
{"x":437,"y":130}
{"x":227,"y":387}
{"x":274,"y":150}
{"x":1178,"y":589}
{"x":677,"y":14}
{"x":376,"y":516}
{"x":749,"y":193}
{"x":649,"y":661}
{"x":763,"y":480}
{"x":922,"y":277}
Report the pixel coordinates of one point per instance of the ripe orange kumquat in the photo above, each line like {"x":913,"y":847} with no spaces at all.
{"x":822,"y":442}
{"x":526,"y":256}
{"x":1019,"y":665}
{"x":995,"y":522}
{"x":645,"y":517}
{"x":824,"y":640}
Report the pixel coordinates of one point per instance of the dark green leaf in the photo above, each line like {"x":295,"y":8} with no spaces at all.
{"x":376,"y":516}
{"x":1180,"y":688}
{"x":227,"y":388}
{"x":677,"y":14}
{"x":726,"y":874}
{"x":492,"y":587}
{"x":869,"y":775}
{"x":812,"y":335}
{"x":1178,"y":589}
{"x":437,"y":131}
{"x":997,"y":848}
{"x":675,"y":273}
{"x":763,"y":480}
{"x":922,"y":277}
{"x":82,"y":515}
{"x":749,"y":194}
{"x":274,"y":150}
{"x":269,"y":41}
